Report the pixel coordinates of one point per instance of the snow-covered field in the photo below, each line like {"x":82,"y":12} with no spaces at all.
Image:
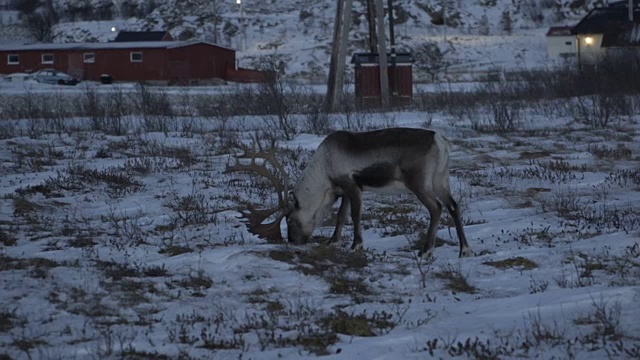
{"x":131,"y":247}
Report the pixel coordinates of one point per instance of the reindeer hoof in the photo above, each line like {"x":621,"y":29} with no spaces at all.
{"x":466,"y":252}
{"x":356,"y":246}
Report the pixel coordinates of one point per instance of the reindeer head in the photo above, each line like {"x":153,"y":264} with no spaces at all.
{"x":303,"y":217}
{"x":279,"y":179}
{"x":298,"y":230}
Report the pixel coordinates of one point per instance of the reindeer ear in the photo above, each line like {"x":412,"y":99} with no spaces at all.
{"x":292,"y":201}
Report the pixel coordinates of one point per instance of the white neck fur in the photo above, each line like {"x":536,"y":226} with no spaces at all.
{"x":314,"y":190}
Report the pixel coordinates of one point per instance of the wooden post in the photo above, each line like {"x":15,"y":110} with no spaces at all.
{"x":392,"y":46}
{"x":371,"y":20}
{"x":579,"y":52}
{"x":330,"y":100}
{"x":342,"y":52}
{"x":382,"y":56}
{"x":342,"y":25}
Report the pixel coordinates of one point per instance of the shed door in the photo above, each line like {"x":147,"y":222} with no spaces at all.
{"x":179,"y":72}
{"x":74,"y":66}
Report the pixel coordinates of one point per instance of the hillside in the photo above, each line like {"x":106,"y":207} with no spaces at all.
{"x":472,"y":34}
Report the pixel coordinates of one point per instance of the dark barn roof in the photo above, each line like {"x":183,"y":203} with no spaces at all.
{"x":559,"y":31}
{"x":129,"y":36}
{"x":601,"y":19}
{"x":613,"y":22}
{"x":372,"y":58}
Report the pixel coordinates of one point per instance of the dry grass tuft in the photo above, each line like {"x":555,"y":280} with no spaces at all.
{"x":22,"y":206}
{"x":527,"y":155}
{"x":516,"y":262}
{"x":319,"y":259}
{"x":456,"y":282}
{"x":8,"y":321}
{"x":11,"y":263}
{"x":362,"y":324}
{"x":7,"y":239}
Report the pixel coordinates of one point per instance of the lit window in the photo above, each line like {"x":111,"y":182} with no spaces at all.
{"x":136,"y":57}
{"x":89,"y":58}
{"x":13,"y":59}
{"x":47,"y":58}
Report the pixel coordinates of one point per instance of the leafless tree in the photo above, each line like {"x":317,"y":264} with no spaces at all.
{"x":211,"y":10}
{"x":40,"y":24}
{"x":430,"y":58}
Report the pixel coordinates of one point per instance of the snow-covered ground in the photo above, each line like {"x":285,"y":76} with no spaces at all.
{"x":130,"y":246}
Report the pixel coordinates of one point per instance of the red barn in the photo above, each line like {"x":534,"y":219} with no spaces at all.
{"x":159,"y":62}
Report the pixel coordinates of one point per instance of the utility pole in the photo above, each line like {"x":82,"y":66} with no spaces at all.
{"x":335,"y":82}
{"x":342,"y":24}
{"x":392,"y":44}
{"x":342,"y":51}
{"x":382,"y":56}
{"x":371,"y":19}
{"x":330,"y":101}
{"x":243,"y":35}
{"x":444,"y":20}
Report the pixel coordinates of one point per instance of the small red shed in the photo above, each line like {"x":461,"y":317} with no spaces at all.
{"x":367,"y":79}
{"x":159,"y":62}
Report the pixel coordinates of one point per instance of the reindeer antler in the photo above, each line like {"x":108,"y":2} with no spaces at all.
{"x":255,"y":217}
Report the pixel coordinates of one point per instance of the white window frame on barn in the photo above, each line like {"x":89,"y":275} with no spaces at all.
{"x":48,"y":61}
{"x":89,"y":58}
{"x":15,"y":62}
{"x":135,"y":53}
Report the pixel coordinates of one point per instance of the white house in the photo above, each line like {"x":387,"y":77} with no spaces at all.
{"x":607,"y":30}
{"x":561,"y":43}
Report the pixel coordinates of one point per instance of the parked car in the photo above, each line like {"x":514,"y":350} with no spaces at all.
{"x":17,"y":77}
{"x":52,"y":76}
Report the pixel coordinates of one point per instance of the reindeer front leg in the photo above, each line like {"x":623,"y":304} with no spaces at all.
{"x":342,"y":219}
{"x":352,"y":193}
{"x":355,"y":198}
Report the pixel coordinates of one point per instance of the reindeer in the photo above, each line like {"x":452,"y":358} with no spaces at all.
{"x":346,"y":164}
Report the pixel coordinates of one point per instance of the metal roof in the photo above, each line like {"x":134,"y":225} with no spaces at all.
{"x":128,"y":36}
{"x":603,"y":19}
{"x":372,"y":58}
{"x":105,"y":46}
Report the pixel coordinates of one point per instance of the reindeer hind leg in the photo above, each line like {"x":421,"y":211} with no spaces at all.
{"x":427,"y":197}
{"x":435,"y":210}
{"x":454,"y":211}
{"x":355,"y":199}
